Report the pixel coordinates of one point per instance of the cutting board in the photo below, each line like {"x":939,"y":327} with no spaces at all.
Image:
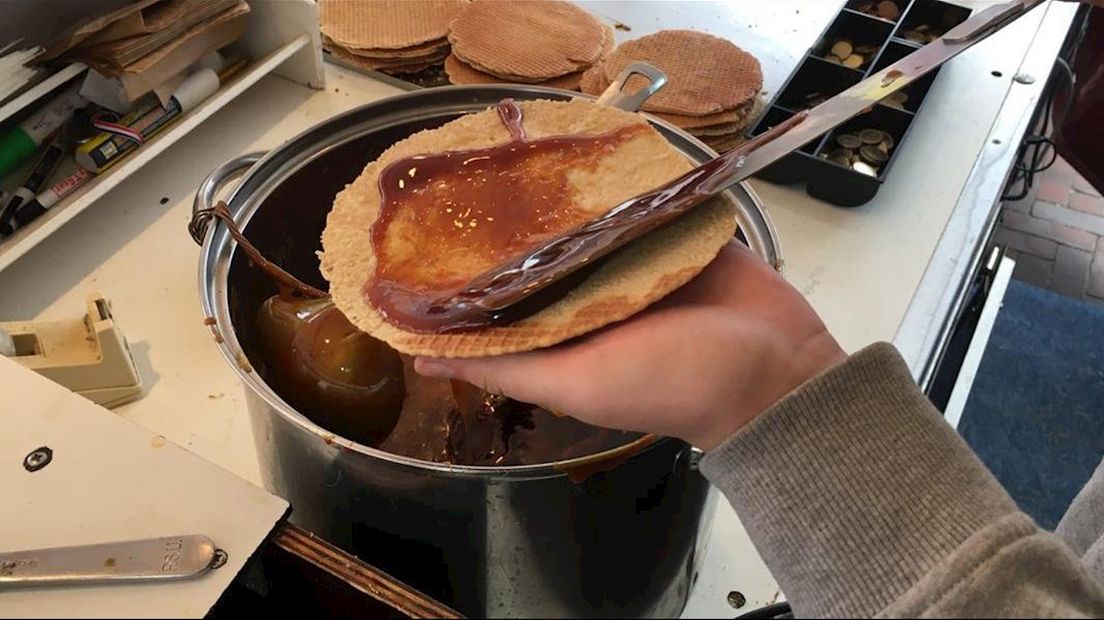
{"x":112,"y":480}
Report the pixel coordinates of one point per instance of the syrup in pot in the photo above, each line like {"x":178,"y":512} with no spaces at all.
{"x":338,"y":376}
{"x":360,"y":388}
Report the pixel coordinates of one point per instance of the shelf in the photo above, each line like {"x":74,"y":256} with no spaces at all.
{"x":40,"y":90}
{"x":26,"y":238}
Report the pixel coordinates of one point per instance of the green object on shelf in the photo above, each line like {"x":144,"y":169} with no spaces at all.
{"x":16,"y":147}
{"x":21,"y":142}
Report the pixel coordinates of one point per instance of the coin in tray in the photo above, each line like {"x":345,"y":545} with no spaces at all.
{"x":931,"y":29}
{"x":920,"y":34}
{"x":844,"y":52}
{"x":865,"y":151}
{"x":885,"y":9}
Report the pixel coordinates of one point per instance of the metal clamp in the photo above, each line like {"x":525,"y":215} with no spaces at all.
{"x":156,"y":559}
{"x":203,"y":205}
{"x":615,"y":97}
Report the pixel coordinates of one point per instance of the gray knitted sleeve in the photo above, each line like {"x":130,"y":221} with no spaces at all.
{"x":864,"y":502}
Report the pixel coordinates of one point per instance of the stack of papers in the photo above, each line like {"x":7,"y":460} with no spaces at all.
{"x":138,"y":36}
{"x":148,"y":45}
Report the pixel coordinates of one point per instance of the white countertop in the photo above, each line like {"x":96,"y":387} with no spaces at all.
{"x":859,"y":267}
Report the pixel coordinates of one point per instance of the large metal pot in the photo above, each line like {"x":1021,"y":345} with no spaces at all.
{"x":500,"y":542}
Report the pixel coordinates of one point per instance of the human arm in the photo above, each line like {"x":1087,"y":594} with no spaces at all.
{"x":860,"y":498}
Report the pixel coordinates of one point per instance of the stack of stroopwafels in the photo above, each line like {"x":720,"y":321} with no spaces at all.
{"x":544,"y":42}
{"x":713,"y":86}
{"x":392,"y":36}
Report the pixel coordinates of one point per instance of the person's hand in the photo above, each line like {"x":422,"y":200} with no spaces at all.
{"x":698,"y":365}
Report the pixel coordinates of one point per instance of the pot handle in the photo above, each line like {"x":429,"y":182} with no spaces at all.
{"x":209,"y":188}
{"x":615,"y":97}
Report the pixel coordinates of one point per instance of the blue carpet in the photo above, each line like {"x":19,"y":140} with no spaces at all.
{"x":1035,"y":415}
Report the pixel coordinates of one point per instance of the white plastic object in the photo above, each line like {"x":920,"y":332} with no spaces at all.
{"x":195,"y":88}
{"x":88,"y":355}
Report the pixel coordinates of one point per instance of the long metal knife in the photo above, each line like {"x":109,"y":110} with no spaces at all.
{"x":494,"y":296}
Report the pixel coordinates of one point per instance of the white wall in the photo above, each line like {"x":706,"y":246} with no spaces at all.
{"x":36,"y":21}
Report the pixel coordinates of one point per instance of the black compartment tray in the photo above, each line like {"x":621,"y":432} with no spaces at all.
{"x":821,"y":75}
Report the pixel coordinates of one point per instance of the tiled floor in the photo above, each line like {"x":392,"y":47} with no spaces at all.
{"x":1056,"y":234}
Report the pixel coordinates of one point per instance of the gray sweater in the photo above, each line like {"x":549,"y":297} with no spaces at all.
{"x":864,"y":502}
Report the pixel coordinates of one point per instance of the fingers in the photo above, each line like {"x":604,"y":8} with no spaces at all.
{"x":535,"y":377}
{"x":560,"y":378}
{"x":734,"y":278}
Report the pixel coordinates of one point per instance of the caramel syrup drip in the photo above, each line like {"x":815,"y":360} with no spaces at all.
{"x":510,"y":114}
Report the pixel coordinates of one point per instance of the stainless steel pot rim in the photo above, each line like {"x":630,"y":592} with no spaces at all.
{"x":249,"y":194}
